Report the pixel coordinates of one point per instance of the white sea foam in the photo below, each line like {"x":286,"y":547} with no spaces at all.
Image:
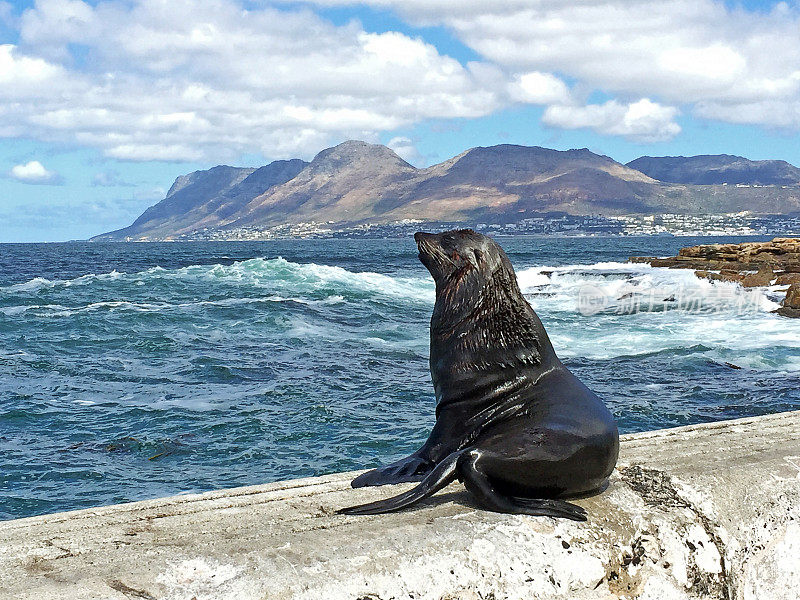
{"x":40,"y":283}
{"x":283,"y":280}
{"x":312,"y":277}
{"x":625,"y":288}
{"x":34,"y":285}
{"x":642,"y":310}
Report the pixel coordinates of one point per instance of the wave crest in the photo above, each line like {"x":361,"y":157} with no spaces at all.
{"x":278,"y":278}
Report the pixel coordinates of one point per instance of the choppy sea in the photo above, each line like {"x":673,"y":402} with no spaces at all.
{"x":131,"y":371}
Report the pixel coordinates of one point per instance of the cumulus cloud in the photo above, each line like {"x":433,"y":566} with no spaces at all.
{"x":188,"y":80}
{"x":641,"y":121}
{"x":34,"y":172}
{"x":536,"y":87}
{"x":22,"y":77}
{"x":718,"y":61}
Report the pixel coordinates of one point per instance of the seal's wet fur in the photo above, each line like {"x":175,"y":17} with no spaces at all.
{"x":512,"y":423}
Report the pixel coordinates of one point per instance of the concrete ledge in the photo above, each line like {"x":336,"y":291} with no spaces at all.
{"x":707,"y":511}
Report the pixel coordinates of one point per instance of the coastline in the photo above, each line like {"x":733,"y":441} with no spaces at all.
{"x":678,"y":225}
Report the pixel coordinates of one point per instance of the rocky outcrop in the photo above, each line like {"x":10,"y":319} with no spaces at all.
{"x":781,"y":255}
{"x":793,"y":296}
{"x":762,"y":278}
{"x":752,"y":264}
{"x":788,"y":279}
{"x":791,"y":304}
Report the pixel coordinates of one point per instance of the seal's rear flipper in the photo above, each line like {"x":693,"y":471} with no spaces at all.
{"x":476,"y":481}
{"x":406,"y":470}
{"x":442,"y":475}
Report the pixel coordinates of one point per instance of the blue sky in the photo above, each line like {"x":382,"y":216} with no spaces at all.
{"x":103,"y":104}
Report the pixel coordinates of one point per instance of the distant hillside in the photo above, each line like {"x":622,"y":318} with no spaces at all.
{"x":207,"y":198}
{"x":345,"y":183}
{"x":717,"y":169}
{"x":356,"y":182}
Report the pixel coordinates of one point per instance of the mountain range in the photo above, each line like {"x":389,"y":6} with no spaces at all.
{"x":355,"y":183}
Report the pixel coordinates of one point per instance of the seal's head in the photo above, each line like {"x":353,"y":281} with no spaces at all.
{"x":475,"y":283}
{"x":451,"y":256}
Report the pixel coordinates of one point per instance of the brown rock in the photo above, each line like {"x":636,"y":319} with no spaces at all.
{"x":764,"y":277}
{"x":792,"y":299}
{"x":765,"y":257}
{"x":730,"y":275}
{"x":788,"y":279}
{"x":725,"y":275}
{"x":793,"y":267}
{"x":781,"y":254}
{"x":664,"y":262}
{"x":785,"y":311}
{"x":727,"y":265}
{"x":718,"y":265}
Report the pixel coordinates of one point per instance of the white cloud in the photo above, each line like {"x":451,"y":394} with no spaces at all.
{"x":34,"y":172}
{"x":24,"y":76}
{"x":52,"y":24}
{"x":191,"y":80}
{"x":188,"y":80}
{"x":642,"y":121}
{"x":774,"y":112}
{"x":405,"y":149}
{"x":536,"y":87}
{"x":724,"y":62}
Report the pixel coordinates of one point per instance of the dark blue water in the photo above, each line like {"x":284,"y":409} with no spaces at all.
{"x":130,"y":371}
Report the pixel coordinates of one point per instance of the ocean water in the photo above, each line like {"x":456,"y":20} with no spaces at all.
{"x":131,"y":371}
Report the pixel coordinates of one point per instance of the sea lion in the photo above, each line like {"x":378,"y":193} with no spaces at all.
{"x":512,"y":423}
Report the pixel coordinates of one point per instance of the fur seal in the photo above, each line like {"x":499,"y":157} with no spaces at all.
{"x":512,"y":423}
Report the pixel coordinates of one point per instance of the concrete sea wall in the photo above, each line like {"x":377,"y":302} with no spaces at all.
{"x":707,"y":511}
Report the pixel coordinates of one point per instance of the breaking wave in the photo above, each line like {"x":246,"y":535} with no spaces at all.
{"x":636,"y":310}
{"x":285,"y":280}
{"x":639,"y":310}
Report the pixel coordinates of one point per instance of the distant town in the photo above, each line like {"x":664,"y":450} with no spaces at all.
{"x":734,"y":224}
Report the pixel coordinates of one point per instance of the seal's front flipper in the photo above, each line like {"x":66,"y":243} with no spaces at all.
{"x":408,"y":469}
{"x":443,"y":474}
{"x":481,"y":487}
